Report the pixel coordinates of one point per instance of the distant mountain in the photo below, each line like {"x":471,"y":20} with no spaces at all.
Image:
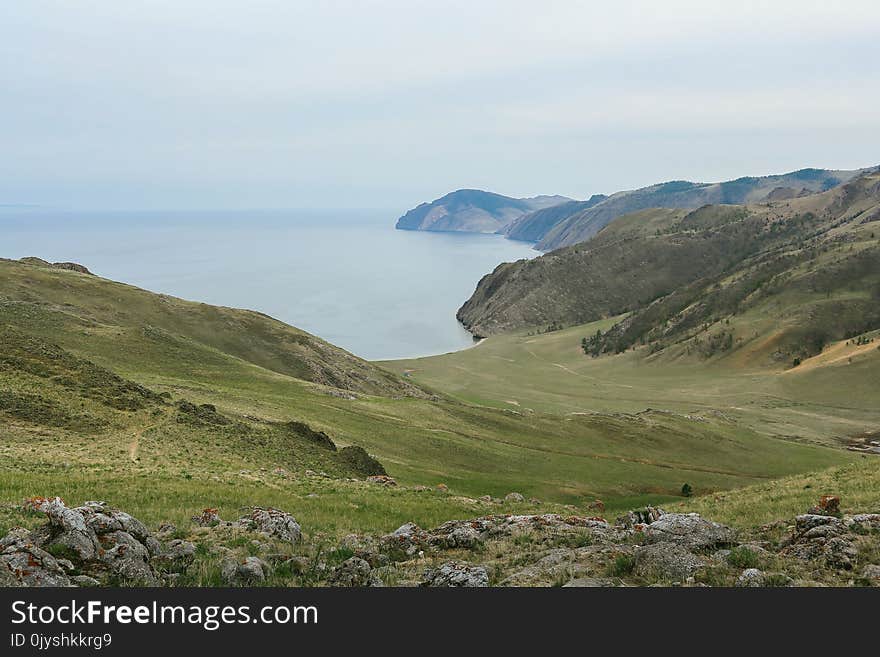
{"x":473,"y":210}
{"x":571,"y":224}
{"x":809,"y":265}
{"x":533,"y":226}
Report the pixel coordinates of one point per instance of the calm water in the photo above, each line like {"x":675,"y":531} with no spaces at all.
{"x":348,"y":277}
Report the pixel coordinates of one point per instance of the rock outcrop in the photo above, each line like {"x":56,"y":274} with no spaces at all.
{"x":94,"y":540}
{"x":455,"y":573}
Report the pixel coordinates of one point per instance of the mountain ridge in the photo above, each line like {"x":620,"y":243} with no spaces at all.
{"x":668,"y":268}
{"x":472,"y":210}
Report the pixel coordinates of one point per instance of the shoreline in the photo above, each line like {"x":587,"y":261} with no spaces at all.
{"x":476,"y":343}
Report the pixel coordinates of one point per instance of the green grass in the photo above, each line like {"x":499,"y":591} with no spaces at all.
{"x":549,"y":373}
{"x":160,"y":463}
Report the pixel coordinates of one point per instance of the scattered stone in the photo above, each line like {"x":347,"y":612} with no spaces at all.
{"x":456,"y":573}
{"x":207,"y":518}
{"x":382,"y":480}
{"x":514,"y":498}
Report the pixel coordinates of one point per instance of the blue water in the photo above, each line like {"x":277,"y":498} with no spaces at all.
{"x":347,"y":277}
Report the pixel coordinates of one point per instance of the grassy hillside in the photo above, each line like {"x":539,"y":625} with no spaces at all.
{"x":165,"y":407}
{"x":675,"y":272}
{"x":829,"y":398}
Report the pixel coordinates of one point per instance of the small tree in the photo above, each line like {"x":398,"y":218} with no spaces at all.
{"x":686,"y":490}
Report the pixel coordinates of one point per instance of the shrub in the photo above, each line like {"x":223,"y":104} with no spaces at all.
{"x":742,"y":557}
{"x":623,"y":565}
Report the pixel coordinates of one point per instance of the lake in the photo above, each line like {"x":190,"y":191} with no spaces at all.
{"x":348,"y":277}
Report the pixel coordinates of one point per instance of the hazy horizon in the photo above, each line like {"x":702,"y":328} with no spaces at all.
{"x":199,"y":105}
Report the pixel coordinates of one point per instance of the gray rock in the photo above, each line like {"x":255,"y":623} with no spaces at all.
{"x":178,"y":556}
{"x":274,"y":523}
{"x":456,"y":573}
{"x":840,"y":553}
{"x":750,"y":577}
{"x":872,"y":572}
{"x":70,"y":529}
{"x":250,"y":571}
{"x":589,"y":582}
{"x":128,"y":559}
{"x":85,"y":581}
{"x":689,"y":530}
{"x":354,"y":572}
{"x":514,"y":498}
{"x":553,"y":566}
{"x":100,"y":541}
{"x":808,"y":521}
{"x":668,"y":561}
{"x":24,"y":564}
{"x":463,"y":536}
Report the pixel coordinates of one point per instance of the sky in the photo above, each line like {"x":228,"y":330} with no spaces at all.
{"x":220,"y":104}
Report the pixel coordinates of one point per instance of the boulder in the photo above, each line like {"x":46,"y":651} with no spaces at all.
{"x":354,"y":572}
{"x":463,"y":536}
{"x":669,"y":561}
{"x":689,"y":530}
{"x":24,"y":564}
{"x":409,"y":538}
{"x":456,"y":573}
{"x":589,"y":582}
{"x":871,"y":572}
{"x":514,"y":498}
{"x":273,"y":523}
{"x":554,"y":566}
{"x":237,"y":573}
{"x":99,"y":541}
{"x":177,"y":556}
{"x":750,"y":577}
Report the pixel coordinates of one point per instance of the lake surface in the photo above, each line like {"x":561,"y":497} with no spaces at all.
{"x":348,"y":277}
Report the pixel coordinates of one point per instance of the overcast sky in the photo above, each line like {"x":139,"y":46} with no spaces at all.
{"x":259,"y":104}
